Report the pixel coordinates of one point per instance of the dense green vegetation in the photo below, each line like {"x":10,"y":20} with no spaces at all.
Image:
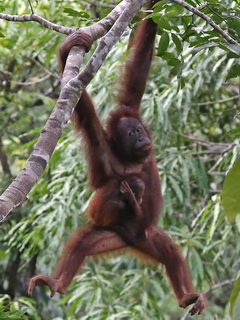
{"x":192,"y":109}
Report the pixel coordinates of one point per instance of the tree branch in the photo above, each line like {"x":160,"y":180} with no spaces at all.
{"x":214,"y":287}
{"x":3,"y":160}
{"x":100,"y":4}
{"x":96,"y":30}
{"x":34,"y":17}
{"x":220,"y":285}
{"x":215,"y":26}
{"x":106,"y":43}
{"x":217,"y":101}
{"x":30,"y":83}
{"x":71,"y":91}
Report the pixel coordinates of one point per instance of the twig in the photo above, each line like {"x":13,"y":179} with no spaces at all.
{"x":56,"y":75}
{"x":202,"y":6}
{"x":52,"y":88}
{"x":101,"y":26}
{"x":48,"y":75}
{"x":215,"y":26}
{"x":215,"y":286}
{"x":29,"y":1}
{"x":29,"y":83}
{"x":4,"y":160}
{"x":103,"y":5}
{"x":34,"y":17}
{"x":212,"y":171}
{"x":219,"y":285}
{"x":210,"y":145}
{"x":217,"y":101}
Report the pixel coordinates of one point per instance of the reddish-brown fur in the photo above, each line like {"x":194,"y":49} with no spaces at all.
{"x":117,"y":206}
{"x":105,"y":213}
{"x":107,"y":170}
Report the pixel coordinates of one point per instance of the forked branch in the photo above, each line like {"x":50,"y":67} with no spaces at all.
{"x":71,"y":91}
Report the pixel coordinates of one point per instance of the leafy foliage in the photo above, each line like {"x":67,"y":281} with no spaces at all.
{"x":192,"y":109}
{"x":183,"y":28}
{"x":235,"y":299}
{"x":230,"y":195}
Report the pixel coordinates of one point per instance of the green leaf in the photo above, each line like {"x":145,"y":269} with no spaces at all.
{"x":232,"y":55}
{"x":234,"y":23}
{"x":188,"y":33}
{"x":235,"y":133}
{"x":158,"y":6}
{"x":232,"y":47}
{"x":231,"y":191}
{"x":168,"y":56}
{"x":176,"y":188}
{"x":174,"y":62}
{"x":163,"y":43}
{"x":204,"y":46}
{"x":163,"y":23}
{"x":235,"y":295}
{"x":213,"y":224}
{"x":197,"y":263}
{"x":236,"y":309}
{"x":234,"y":71}
{"x":2,"y":35}
{"x":75,"y":13}
{"x":177,"y":42}
{"x":182,"y":82}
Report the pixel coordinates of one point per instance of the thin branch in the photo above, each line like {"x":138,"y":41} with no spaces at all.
{"x":4,"y":160}
{"x":52,"y":88}
{"x":30,"y":83}
{"x":48,"y":75}
{"x":217,"y":101}
{"x":54,"y":74}
{"x":215,"y":26}
{"x":215,"y":12}
{"x":29,"y":1}
{"x":212,"y":171}
{"x":100,"y":4}
{"x":208,"y":144}
{"x":202,"y":6}
{"x":96,"y":30}
{"x":220,"y":285}
{"x":34,"y":17}
{"x":214,"y":287}
{"x":216,"y":150}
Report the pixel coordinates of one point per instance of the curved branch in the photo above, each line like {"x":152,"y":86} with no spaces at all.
{"x":107,"y":42}
{"x":215,"y":26}
{"x":96,"y":30}
{"x":30,"y":83}
{"x":34,"y":17}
